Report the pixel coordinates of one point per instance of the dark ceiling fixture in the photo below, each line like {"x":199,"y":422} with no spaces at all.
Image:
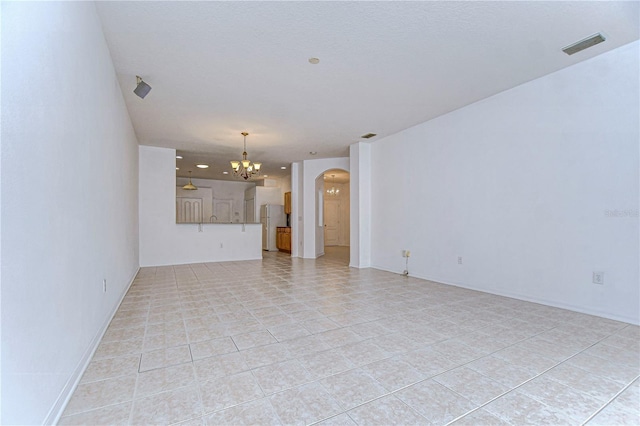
{"x":142,"y":89}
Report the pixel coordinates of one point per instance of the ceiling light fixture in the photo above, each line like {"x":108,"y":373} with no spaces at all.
{"x":225,"y":173}
{"x":244,"y":168}
{"x":179,"y":157}
{"x":202,"y":166}
{"x":142,"y":89}
{"x":283,"y":168}
{"x":312,"y":152}
{"x":190,"y":186}
{"x":314,"y":61}
{"x":333,"y":191}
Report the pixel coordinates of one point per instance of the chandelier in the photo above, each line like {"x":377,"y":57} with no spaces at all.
{"x":333,"y":191}
{"x":244,"y":168}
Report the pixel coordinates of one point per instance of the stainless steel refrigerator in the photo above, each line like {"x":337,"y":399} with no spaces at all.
{"x":271,"y":216}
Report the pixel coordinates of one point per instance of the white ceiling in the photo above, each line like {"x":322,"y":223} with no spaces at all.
{"x":220,"y":68}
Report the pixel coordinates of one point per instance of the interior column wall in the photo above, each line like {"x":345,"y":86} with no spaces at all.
{"x":360,"y":205}
{"x":296,"y":220}
{"x":311,"y":170}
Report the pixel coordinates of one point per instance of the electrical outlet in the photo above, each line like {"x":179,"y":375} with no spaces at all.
{"x":406,"y":253}
{"x":459,"y":260}
{"x":104,"y":285}
{"x":598,"y":278}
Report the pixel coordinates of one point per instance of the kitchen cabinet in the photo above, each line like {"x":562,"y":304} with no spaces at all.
{"x":287,"y":202}
{"x":283,"y":239}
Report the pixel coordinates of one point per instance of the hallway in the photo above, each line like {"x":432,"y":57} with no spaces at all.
{"x":294,"y":341}
{"x":337,"y":254}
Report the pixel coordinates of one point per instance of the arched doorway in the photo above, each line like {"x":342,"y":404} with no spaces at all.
{"x":336,"y":208}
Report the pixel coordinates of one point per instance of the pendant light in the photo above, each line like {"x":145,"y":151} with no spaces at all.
{"x":190,"y":186}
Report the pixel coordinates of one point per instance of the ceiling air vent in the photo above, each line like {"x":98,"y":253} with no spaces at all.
{"x":583,"y":44}
{"x":368,"y":136}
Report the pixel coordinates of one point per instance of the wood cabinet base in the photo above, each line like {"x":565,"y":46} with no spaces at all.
{"x":283,"y":239}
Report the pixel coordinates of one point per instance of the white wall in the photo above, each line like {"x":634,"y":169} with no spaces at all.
{"x":163,"y":242}
{"x":268,"y":195}
{"x":69,"y":169}
{"x":519,"y":185}
{"x":285,"y":184}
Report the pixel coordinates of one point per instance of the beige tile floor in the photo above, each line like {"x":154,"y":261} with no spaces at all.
{"x":292,"y":341}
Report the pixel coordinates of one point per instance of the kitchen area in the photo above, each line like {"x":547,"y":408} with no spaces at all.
{"x":283,"y":233}
{"x":276,"y":229}
{"x":263,"y":202}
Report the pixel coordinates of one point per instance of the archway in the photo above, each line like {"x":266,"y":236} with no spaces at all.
{"x":307,"y":185}
{"x":332,"y":240}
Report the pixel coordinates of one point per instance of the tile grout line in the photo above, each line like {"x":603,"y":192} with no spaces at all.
{"x":198,"y":391}
{"x":391,"y":356}
{"x":529,"y":380}
{"x":610,"y":401}
{"x":428,"y":378}
{"x":135,"y":391}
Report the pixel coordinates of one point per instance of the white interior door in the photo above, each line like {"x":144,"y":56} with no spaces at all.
{"x":188,"y":210}
{"x":222,"y":210}
{"x":331,"y":222}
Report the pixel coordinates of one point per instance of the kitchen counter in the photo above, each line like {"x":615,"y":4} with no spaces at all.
{"x":217,"y":223}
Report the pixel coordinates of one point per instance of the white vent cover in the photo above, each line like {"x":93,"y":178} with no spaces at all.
{"x":583,"y":44}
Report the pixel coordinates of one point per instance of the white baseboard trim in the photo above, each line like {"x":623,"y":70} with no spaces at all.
{"x":358,"y":266}
{"x":53,"y":417}
{"x":174,"y":263}
{"x":526,"y":298}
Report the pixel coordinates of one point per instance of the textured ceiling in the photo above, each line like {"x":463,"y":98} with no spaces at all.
{"x":220,"y":68}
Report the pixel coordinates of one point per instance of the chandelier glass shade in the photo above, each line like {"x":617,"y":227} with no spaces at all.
{"x":244,"y":168}
{"x":333,"y":190}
